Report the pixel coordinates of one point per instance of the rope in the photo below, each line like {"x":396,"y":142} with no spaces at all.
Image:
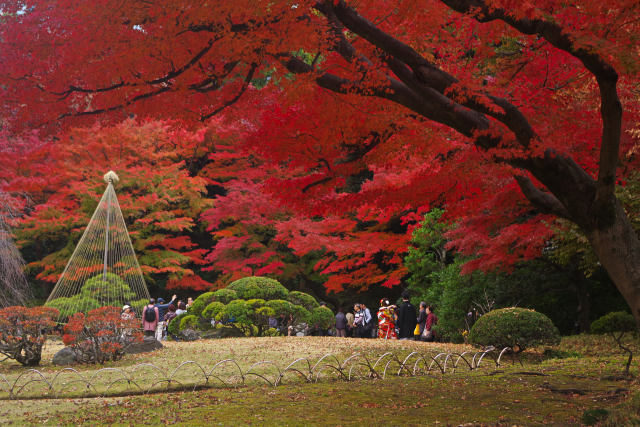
{"x":103,"y":269}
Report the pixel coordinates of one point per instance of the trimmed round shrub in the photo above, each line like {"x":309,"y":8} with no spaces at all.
{"x":200,"y":303}
{"x":225,"y":296}
{"x":616,"y":325}
{"x":303,"y":299}
{"x":174,"y":325}
{"x":212,"y":310}
{"x":617,"y":321}
{"x":107,"y":288}
{"x":188,"y":321}
{"x":299,"y":313}
{"x":322,"y":317}
{"x":518,"y":328}
{"x":258,"y":287}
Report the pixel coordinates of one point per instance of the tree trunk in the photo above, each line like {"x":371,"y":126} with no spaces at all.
{"x":618,"y":249}
{"x":580,"y":286}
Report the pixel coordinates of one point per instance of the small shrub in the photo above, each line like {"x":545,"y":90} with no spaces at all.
{"x":617,"y":321}
{"x":174,"y":325}
{"x":616,"y":324}
{"x":70,"y":306}
{"x":23,"y":332}
{"x":200,"y":303}
{"x":258,"y":287}
{"x":188,"y":322}
{"x":106,"y":288}
{"x":212,"y":310}
{"x":225,"y":296}
{"x":517,"y":328}
{"x":303,"y":299}
{"x":100,"y":335}
{"x":322,"y":317}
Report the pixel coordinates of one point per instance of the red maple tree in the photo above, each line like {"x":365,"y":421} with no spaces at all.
{"x":486,"y":89}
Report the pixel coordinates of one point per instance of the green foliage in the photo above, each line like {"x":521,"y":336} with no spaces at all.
{"x":107,"y":288}
{"x":322,"y":317}
{"x":99,"y":291}
{"x":280,"y":307}
{"x":138,"y":306}
{"x":263,"y":298}
{"x":225,"y":295}
{"x":617,"y":321}
{"x":174,"y":325}
{"x":554,"y":353}
{"x":200,"y":303}
{"x":616,"y":324}
{"x":303,"y":299}
{"x":70,"y":306}
{"x":212,"y":310}
{"x":187,"y":322}
{"x":518,"y":328}
{"x":258,"y":287}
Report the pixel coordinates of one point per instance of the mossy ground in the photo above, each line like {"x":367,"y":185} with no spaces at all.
{"x":583,"y":375}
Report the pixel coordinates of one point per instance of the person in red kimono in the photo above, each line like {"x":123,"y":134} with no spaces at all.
{"x":386,"y":320}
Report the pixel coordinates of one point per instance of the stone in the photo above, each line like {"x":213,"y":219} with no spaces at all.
{"x":223,"y":332}
{"x":64,"y":357}
{"x":146,"y":345}
{"x":190,"y":335}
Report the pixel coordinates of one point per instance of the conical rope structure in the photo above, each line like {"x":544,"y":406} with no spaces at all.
{"x":103,"y":270}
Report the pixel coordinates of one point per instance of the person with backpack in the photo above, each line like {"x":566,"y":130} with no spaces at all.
{"x":150,"y":318}
{"x":162,"y":310}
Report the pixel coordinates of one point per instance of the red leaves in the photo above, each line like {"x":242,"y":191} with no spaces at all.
{"x":23,"y":332}
{"x":101,"y":334}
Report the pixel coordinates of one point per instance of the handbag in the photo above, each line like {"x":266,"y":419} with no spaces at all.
{"x":427,"y":334}
{"x":416,"y":331}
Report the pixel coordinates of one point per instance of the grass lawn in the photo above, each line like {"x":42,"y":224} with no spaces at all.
{"x":581,"y":375}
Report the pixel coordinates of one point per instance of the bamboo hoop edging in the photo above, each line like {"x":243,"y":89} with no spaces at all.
{"x":98,"y":384}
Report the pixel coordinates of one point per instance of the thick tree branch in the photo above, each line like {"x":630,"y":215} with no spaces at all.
{"x":421,"y":75}
{"x":545,"y":202}
{"x":430,"y":104}
{"x":245,"y":86}
{"x":606,"y":76}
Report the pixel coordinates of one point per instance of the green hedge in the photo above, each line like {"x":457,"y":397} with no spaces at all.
{"x":225,"y":295}
{"x":174,"y":325}
{"x":303,"y":299}
{"x":200,"y":303}
{"x":258,"y":287}
{"x":518,"y":328}
{"x":617,"y":321}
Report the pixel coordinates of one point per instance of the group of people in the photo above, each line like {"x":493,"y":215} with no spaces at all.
{"x":391,"y":322}
{"x":157,"y":315}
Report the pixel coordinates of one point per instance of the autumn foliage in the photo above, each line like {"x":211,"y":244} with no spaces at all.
{"x":23,"y":332}
{"x":100,"y":335}
{"x":357,"y":116}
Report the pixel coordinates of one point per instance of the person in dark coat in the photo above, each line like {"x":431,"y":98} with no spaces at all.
{"x":407,"y":318}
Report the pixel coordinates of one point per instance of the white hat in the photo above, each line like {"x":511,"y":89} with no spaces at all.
{"x":125,"y":307}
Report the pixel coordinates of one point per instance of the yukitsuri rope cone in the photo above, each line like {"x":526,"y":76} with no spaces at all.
{"x":103,"y":270}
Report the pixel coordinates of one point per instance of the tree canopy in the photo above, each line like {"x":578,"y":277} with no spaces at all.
{"x":509,"y":114}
